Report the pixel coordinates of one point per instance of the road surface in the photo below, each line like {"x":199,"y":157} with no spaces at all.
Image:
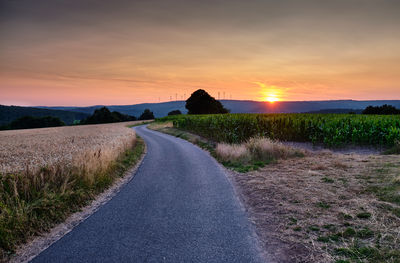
{"x":179,"y":207}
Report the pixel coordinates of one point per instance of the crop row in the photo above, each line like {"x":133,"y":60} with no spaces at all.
{"x":328,"y":129}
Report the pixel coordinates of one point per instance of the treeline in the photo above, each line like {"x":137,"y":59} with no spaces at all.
{"x":102,"y":115}
{"x":11,"y":113}
{"x":30,"y":122}
{"x":381,"y":110}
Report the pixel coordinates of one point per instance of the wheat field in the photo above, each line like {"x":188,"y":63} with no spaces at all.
{"x":47,"y":174}
{"x":89,"y":146}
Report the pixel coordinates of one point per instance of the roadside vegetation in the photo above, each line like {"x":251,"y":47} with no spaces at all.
{"x":315,"y":206}
{"x":47,"y":174}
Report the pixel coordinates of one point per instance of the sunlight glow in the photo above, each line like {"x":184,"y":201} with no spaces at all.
{"x":271,"y":99}
{"x":269,"y":93}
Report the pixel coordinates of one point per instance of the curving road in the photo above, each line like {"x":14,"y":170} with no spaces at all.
{"x":179,"y":207}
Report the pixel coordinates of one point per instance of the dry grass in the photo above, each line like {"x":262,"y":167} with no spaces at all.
{"x":327,"y":207}
{"x":255,"y":149}
{"x":46,"y":174}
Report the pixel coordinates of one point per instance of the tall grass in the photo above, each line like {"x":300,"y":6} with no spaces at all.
{"x":255,"y":150}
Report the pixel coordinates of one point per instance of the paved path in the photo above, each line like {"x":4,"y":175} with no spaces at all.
{"x":179,"y":207}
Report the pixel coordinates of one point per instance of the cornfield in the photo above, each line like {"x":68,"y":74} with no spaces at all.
{"x":328,"y":129}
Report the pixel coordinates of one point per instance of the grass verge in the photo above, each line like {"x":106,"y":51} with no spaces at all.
{"x":31,"y":203}
{"x":140,"y":123}
{"x":244,"y":157}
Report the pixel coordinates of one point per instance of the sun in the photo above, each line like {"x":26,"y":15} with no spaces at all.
{"x":269,"y":94}
{"x":271,"y":99}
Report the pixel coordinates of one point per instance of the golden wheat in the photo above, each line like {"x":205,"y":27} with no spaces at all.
{"x":47,"y":174}
{"x":88,"y":147}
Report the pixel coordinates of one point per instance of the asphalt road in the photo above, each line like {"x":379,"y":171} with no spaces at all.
{"x":179,"y":207}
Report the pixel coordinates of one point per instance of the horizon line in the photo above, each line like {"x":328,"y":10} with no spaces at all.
{"x":111,"y":105}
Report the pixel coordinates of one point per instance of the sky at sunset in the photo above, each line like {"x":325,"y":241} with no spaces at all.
{"x":88,"y":52}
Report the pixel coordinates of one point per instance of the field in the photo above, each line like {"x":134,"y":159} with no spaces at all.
{"x":308,"y":206}
{"x":328,"y":129}
{"x":327,"y":207}
{"x":46,"y":174}
{"x":80,"y":146}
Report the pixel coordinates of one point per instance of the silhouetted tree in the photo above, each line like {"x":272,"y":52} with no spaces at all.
{"x":174,"y":112}
{"x":381,"y":110}
{"x":104,"y":115}
{"x":200,"y":102}
{"x":28,"y":122}
{"x":146,"y":115}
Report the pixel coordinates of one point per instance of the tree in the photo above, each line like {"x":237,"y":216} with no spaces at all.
{"x":200,"y":102}
{"x":146,"y":115}
{"x":174,"y":112}
{"x":102,"y":115}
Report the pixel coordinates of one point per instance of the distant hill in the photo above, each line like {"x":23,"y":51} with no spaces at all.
{"x":159,"y":109}
{"x":243,"y":106}
{"x":10,"y":113}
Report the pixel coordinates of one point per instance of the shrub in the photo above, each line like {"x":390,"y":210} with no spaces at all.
{"x":174,"y":112}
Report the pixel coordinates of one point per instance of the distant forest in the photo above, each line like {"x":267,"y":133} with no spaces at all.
{"x":11,"y":113}
{"x":102,"y":115}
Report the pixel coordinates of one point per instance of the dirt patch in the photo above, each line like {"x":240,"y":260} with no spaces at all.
{"x":326,"y":207}
{"x":349,"y":149}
